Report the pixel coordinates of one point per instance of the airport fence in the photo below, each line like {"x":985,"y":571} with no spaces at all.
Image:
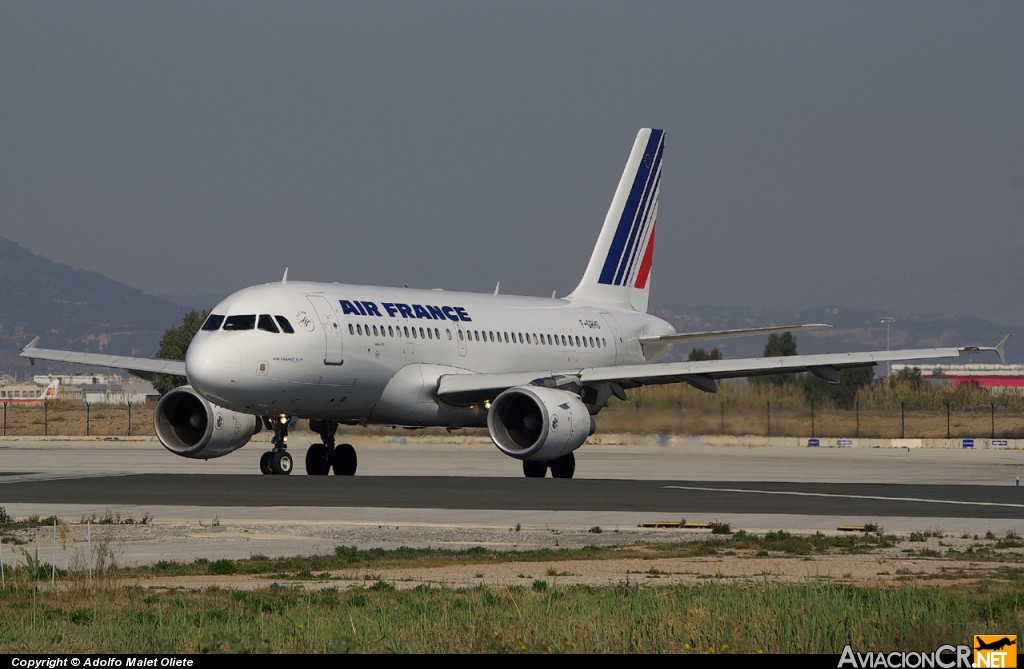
{"x":815,"y":420}
{"x":75,"y":419}
{"x":702,"y":415}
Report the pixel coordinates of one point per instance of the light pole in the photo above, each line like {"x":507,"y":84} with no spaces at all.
{"x":888,"y":320}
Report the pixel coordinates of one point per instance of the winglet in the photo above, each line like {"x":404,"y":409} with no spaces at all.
{"x":29,"y":346}
{"x":1000,"y":349}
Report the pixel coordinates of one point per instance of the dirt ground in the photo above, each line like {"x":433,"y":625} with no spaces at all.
{"x":931,"y":560}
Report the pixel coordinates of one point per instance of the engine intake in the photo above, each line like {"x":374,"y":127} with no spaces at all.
{"x":538,"y":424}
{"x":188,"y":425}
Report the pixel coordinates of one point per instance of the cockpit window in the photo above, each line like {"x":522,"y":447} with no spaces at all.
{"x":246,"y":322}
{"x":213,"y":322}
{"x":286,"y":327}
{"x":267,"y":324}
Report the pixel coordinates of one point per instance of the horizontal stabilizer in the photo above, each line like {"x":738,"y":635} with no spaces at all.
{"x":687,"y":337}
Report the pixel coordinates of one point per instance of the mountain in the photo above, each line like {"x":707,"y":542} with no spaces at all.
{"x":74,"y":309}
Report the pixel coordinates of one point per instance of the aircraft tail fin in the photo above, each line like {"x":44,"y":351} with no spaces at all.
{"x":619,"y":271}
{"x":50,"y":392}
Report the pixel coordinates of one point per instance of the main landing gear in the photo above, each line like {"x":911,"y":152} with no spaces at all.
{"x":561,"y":468}
{"x":320,"y":458}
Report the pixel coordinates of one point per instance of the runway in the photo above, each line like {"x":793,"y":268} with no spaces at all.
{"x":462,"y":491}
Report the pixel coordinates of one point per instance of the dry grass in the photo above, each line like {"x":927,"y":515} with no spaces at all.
{"x":771,"y":411}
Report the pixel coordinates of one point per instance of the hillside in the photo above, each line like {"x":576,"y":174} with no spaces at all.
{"x":73,"y":308}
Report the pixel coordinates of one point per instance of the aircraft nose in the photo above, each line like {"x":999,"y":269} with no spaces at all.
{"x":212,"y":366}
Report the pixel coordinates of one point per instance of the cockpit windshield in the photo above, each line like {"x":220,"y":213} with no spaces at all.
{"x":213,"y":322}
{"x":243,"y":322}
{"x":264,"y":322}
{"x":267,"y":323}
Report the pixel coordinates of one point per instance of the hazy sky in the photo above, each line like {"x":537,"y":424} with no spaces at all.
{"x":868,"y":154}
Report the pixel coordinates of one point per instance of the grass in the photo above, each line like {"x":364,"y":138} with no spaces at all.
{"x":813,"y":617}
{"x":885,"y":410}
{"x":818,"y":616}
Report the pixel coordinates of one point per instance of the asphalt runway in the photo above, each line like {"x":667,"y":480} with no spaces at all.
{"x":461,"y":483}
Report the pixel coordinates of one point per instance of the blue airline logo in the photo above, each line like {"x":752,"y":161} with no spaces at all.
{"x":399,"y":310}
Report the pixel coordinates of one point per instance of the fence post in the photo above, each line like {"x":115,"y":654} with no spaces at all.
{"x":992,"y":406}
{"x":5,"y":419}
{"x":46,"y":418}
{"x":768,"y":409}
{"x":87,"y":419}
{"x":856,"y":411}
{"x":812,"y":418}
{"x":948,"y":433}
{"x":129,"y":418}
{"x":903,"y":421}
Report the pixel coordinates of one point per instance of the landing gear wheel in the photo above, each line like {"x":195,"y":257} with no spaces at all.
{"x":344,"y":460}
{"x":317,"y":463}
{"x":281,"y":462}
{"x":563,"y":467}
{"x":534,"y":470}
{"x":265,"y":463}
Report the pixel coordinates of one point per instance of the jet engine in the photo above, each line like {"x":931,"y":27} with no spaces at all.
{"x":189,"y":426}
{"x":538,"y":423}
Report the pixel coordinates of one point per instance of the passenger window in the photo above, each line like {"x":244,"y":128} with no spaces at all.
{"x":351,"y":329}
{"x":286,"y":327}
{"x":213,"y":322}
{"x":375,"y":331}
{"x":449,"y":333}
{"x":460,"y":336}
{"x":406,"y":331}
{"x":391,"y":331}
{"x":359,"y":328}
{"x":267,"y":324}
{"x":246,"y":322}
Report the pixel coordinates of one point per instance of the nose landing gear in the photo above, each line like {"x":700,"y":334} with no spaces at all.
{"x":278,"y":460}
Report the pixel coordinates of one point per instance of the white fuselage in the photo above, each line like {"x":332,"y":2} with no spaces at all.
{"x":367,"y":354}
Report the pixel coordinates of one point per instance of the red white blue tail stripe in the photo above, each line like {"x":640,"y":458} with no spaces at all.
{"x":618,"y":275}
{"x":628,"y":262}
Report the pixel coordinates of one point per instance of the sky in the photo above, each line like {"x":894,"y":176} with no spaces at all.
{"x":866,"y":154}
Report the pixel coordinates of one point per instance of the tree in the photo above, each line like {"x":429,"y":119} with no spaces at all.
{"x":699,"y":354}
{"x":780,"y":345}
{"x":173,"y":346}
{"x":843,"y":394}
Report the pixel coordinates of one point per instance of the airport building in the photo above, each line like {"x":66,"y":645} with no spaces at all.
{"x":995,"y":378}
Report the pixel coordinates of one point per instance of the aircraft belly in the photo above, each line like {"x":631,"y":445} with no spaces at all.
{"x":410,"y":399}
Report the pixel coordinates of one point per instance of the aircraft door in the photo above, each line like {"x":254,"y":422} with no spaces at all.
{"x":615,"y":339}
{"x":460,"y":334}
{"x":332,"y":329}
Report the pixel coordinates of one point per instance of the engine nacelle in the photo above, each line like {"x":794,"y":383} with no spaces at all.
{"x":538,"y":423}
{"x":189,"y":426}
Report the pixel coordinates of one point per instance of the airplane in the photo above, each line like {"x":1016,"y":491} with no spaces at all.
{"x":533,"y":371}
{"x":48,"y":393}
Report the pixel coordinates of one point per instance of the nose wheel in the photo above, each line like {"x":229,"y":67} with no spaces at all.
{"x":277,"y":461}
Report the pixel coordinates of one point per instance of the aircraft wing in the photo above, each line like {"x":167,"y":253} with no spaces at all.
{"x":686,"y":337}
{"x":464,"y":389}
{"x":146,"y":368}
